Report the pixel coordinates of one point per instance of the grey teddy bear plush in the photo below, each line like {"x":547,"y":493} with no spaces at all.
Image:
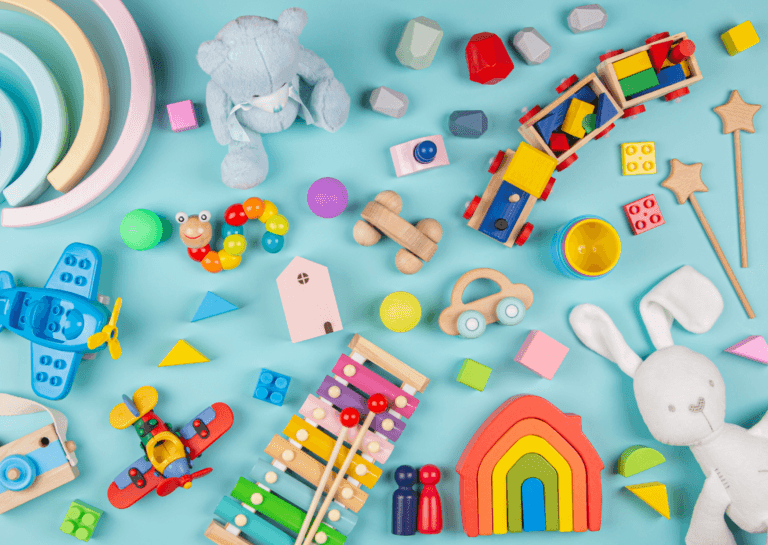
{"x":256,"y":67}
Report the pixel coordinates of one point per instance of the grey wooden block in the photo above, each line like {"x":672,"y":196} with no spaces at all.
{"x":586,"y":18}
{"x":531,"y":46}
{"x":468,"y":123}
{"x":389,"y":102}
{"x":419,"y":43}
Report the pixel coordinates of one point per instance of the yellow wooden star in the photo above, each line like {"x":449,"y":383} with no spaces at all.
{"x":684,"y":180}
{"x":736,"y":114}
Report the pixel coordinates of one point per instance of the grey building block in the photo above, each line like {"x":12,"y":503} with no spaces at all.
{"x":419,"y":43}
{"x":531,"y":46}
{"x":468,"y":123}
{"x":586,"y":18}
{"x":389,"y":102}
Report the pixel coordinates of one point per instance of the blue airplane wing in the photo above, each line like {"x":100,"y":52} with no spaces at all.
{"x":53,"y":371}
{"x":77,"y":271}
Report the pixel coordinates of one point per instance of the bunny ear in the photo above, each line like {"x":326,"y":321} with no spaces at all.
{"x":687,"y":296}
{"x":597,"y":331}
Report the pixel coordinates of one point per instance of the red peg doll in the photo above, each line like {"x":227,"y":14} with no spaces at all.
{"x":430,"y":508}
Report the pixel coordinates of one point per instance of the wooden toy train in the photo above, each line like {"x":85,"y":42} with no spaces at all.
{"x":586,"y":110}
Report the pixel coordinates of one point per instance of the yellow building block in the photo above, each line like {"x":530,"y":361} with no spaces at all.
{"x":654,"y":494}
{"x":576,"y":113}
{"x":683,"y":65}
{"x":182,"y":353}
{"x":638,"y":158}
{"x":632,"y":65}
{"x":739,"y":38}
{"x":530,"y":169}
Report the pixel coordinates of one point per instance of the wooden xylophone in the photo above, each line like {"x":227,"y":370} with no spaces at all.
{"x":270,"y":506}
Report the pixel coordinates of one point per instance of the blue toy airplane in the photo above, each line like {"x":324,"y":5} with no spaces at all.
{"x":64,"y":321}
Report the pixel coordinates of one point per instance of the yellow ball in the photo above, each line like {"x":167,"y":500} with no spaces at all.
{"x":277,"y":224}
{"x":269,"y":210}
{"x":228,"y":261}
{"x":400,"y":311}
{"x":235,"y":244}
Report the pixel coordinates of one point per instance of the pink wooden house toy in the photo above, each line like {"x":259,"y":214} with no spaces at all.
{"x":308,"y":300}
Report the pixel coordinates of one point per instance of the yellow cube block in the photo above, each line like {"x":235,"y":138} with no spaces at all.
{"x":638,"y":158}
{"x":739,"y":38}
{"x":575,"y":115}
{"x":530,"y":169}
{"x":632,"y":65}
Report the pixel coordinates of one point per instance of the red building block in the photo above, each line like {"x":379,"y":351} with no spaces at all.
{"x":658,"y":54}
{"x":682,"y":51}
{"x":558,"y":142}
{"x":487,"y":59}
{"x":644,"y":214}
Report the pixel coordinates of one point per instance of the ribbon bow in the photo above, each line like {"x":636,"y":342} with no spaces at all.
{"x":273,"y":103}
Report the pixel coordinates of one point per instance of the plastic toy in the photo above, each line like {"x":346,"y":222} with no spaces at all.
{"x":256,"y":65}
{"x":327,"y":197}
{"x":430,"y":508}
{"x":494,"y":466}
{"x":182,"y":353}
{"x":638,"y":158}
{"x":653,"y":494}
{"x":487,"y":59}
{"x":388,"y":102}
{"x":166,"y":463}
{"x":400,"y":311}
{"x":419,"y":154}
{"x":685,"y":180}
{"x":681,"y":397}
{"x":212,"y":305}
{"x":644,"y":214}
{"x":142,"y":229}
{"x":81,"y":520}
{"x":382,"y":216}
{"x":739,"y":38}
{"x":753,"y":348}
{"x":541,"y":354}
{"x":65,"y":321}
{"x":474,"y":374}
{"x":182,"y":116}
{"x":309,"y":303}
{"x":637,"y":459}
{"x":507,"y":306}
{"x":531,"y":46}
{"x":14,"y":152}
{"x":38,"y":462}
{"x":468,"y":123}
{"x":404,"y":502}
{"x":737,"y":116}
{"x":586,"y":248}
{"x":586,"y":18}
{"x":419,"y":43}
{"x":272,"y":387}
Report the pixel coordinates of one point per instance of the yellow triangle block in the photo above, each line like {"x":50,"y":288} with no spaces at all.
{"x":182,"y":354}
{"x":654,"y":494}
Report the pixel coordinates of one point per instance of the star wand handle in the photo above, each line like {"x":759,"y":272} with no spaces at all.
{"x":740,"y":196}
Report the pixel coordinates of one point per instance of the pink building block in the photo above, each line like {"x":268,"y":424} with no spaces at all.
{"x":541,"y":354}
{"x":182,"y":116}
{"x":308,"y":300}
{"x":405,"y":162}
{"x":752,"y":348}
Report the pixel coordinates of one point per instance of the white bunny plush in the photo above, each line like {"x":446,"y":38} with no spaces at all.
{"x":681,"y":397}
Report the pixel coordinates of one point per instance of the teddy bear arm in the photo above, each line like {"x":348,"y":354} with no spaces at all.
{"x":312,"y":68}
{"x":218,"y":104}
{"x":708,"y":521}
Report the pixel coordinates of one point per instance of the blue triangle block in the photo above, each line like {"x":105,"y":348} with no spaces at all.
{"x":605,"y":110}
{"x":212,"y":305}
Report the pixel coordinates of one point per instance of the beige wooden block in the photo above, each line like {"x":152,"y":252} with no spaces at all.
{"x":389,"y":363}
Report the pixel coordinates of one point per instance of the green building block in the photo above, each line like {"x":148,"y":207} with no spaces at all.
{"x":81,"y":520}
{"x":532,"y":465}
{"x":474,"y":374}
{"x":639,"y":458}
{"x":639,"y":82}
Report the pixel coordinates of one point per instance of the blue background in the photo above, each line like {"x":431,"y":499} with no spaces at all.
{"x":161,"y":288}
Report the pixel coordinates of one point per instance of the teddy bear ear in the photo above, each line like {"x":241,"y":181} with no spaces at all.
{"x":210,"y":55}
{"x":292,"y":20}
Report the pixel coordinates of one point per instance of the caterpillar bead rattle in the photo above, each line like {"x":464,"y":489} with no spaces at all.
{"x":196,"y":233}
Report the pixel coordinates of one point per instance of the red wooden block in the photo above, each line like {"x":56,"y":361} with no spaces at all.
{"x":644,"y":214}
{"x":487,"y":59}
{"x":658,"y":54}
{"x":682,"y":51}
{"x":558,"y":142}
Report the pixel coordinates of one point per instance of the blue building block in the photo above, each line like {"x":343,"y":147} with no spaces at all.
{"x":555,"y":118}
{"x":585,"y":94}
{"x":212,"y":305}
{"x":547,"y":125}
{"x":669,"y":76}
{"x":272,"y":387}
{"x":605,"y":110}
{"x":503,"y":214}
{"x":534,"y":519}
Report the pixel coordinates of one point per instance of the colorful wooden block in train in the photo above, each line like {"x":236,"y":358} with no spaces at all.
{"x":529,"y":467}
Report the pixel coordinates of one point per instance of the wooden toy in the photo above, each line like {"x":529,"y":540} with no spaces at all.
{"x":632,"y":65}
{"x":738,"y":116}
{"x":81,"y":520}
{"x":530,"y":170}
{"x":685,"y":180}
{"x":182,"y":116}
{"x":142,"y":229}
{"x":468,"y":123}
{"x":382,"y":216}
{"x":419,"y":154}
{"x":38,"y":462}
{"x":638,"y":158}
{"x":531,"y":45}
{"x":541,"y":354}
{"x":309,"y":303}
{"x":182,"y":353}
{"x":586,"y":248}
{"x":534,"y":509}
{"x":586,"y":18}
{"x":637,"y":459}
{"x":507,"y":306}
{"x":487,"y":59}
{"x":138,"y":122}
{"x":528,"y":424}
{"x":404,"y":502}
{"x":739,"y":38}
{"x":753,"y":348}
{"x":419,"y":43}
{"x":13,"y":154}
{"x":644,"y":214}
{"x":327,"y":197}
{"x":654,"y":494}
{"x":167,"y":460}
{"x":574,"y":117}
{"x":430,"y":507}
{"x":59,"y":338}
{"x":272,"y":387}
{"x":212,"y":305}
{"x":388,"y":102}
{"x":474,"y":374}
{"x":400,"y":311}
{"x":558,"y":142}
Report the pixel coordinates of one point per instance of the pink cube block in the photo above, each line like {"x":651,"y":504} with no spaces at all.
{"x":541,"y":354}
{"x":182,"y":116}
{"x":409,"y":157}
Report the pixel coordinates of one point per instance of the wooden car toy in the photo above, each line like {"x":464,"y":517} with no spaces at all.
{"x":382,"y":215}
{"x":506,"y":306}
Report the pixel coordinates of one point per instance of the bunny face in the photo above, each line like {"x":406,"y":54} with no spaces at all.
{"x":681,"y":396}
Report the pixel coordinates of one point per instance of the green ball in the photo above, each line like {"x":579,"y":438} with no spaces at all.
{"x":141,"y":229}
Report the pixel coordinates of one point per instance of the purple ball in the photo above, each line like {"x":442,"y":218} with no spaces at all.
{"x":327,"y":197}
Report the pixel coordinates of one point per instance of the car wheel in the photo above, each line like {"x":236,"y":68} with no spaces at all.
{"x":470,"y":324}
{"x":510,"y":311}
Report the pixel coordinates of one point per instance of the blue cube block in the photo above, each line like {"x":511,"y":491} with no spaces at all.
{"x":272,"y":387}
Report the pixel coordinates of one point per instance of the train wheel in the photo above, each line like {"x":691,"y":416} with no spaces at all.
{"x":634,"y":110}
{"x":677,"y":94}
{"x":496,"y":163}
{"x":471,"y":207}
{"x":568,"y":162}
{"x":608,"y":129}
{"x":533,"y":111}
{"x":547,"y":190}
{"x":524,"y":234}
{"x":610,"y":54}
{"x":567,"y":83}
{"x":657,"y":37}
